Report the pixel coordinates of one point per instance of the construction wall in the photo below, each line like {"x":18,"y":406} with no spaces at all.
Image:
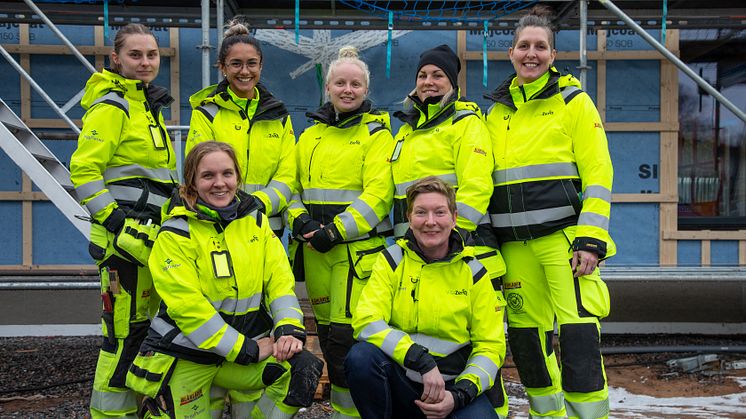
{"x":635,"y":89}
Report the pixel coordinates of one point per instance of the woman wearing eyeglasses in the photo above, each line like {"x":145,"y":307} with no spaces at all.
{"x":243,"y":113}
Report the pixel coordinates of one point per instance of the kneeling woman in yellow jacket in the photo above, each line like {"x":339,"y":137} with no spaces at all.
{"x":229,"y":315}
{"x":426,"y":321}
{"x":240,"y":111}
{"x":550,"y":209}
{"x":342,"y":211}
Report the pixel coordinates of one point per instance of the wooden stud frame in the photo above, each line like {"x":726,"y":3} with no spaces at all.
{"x":668,"y":128}
{"x":24,"y":48}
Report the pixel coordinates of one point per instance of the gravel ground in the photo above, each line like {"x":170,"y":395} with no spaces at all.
{"x":51,"y":377}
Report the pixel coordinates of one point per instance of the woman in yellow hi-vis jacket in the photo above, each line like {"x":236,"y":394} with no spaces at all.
{"x":243,"y":113}
{"x":427,"y":321}
{"x":443,"y":135}
{"x":229,"y":316}
{"x":550,"y":210}
{"x":123,"y":171}
{"x":340,"y":217}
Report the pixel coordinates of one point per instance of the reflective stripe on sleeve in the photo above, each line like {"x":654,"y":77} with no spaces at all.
{"x":89,"y":189}
{"x":535,"y":171}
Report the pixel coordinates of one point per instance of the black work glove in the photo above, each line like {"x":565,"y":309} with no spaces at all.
{"x":419,"y":359}
{"x":249,"y":353}
{"x":464,"y":392}
{"x":326,"y":238}
{"x":304,"y":225}
{"x":115,"y":220}
{"x":590,"y":244}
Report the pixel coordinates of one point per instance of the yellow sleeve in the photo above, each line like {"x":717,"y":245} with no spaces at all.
{"x":474,"y":165}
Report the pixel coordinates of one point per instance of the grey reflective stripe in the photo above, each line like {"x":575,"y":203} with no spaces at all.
{"x":366,"y":211}
{"x":252,"y":187}
{"x":227,"y":343}
{"x":532,"y":217}
{"x":274,"y":197}
{"x":211,"y":109}
{"x":483,"y":368}
{"x":283,"y":188}
{"x":384,"y":225}
{"x":267,"y":407}
{"x":469,"y":213}
{"x":597,"y":191}
{"x":135,"y":170}
{"x":111,"y":402}
{"x":372,"y":126}
{"x":372,"y":329}
{"x":275,"y":222}
{"x":129,"y":193}
{"x":545,"y":404}
{"x":450,"y":178}
{"x":238,"y":306}
{"x":476,"y":268}
{"x":177,"y":224}
{"x":217,"y":392}
{"x":417,"y":377}
{"x":296,"y":202}
{"x":342,"y":399}
{"x":567,"y":91}
{"x":534,"y":171}
{"x":439,"y":346}
{"x":397,"y":255}
{"x":597,"y":409}
{"x":113,"y":97}
{"x":462,"y":113}
{"x":286,"y":307}
{"x":162,"y":328}
{"x":348,"y":221}
{"x":100,"y":202}
{"x":391,"y":340}
{"x":240,"y":410}
{"x":330,"y":195}
{"x":207,"y":330}
{"x":400,"y":229}
{"x":89,"y":189}
{"x":595,"y":220}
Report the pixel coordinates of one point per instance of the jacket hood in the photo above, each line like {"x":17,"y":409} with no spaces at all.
{"x":328,"y":115}
{"x":104,"y":82}
{"x":556,"y":81}
{"x":412,"y":116}
{"x":176,"y":207}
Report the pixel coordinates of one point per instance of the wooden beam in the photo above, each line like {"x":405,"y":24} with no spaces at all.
{"x":64,"y":50}
{"x":601,"y":77}
{"x":22,"y":196}
{"x":669,"y":154}
{"x":27,"y":223}
{"x":670,"y":126}
{"x":575,"y":55}
{"x":742,"y":252}
{"x":705,"y":254}
{"x":643,"y":197}
{"x":712,"y":235}
{"x":175,"y":74}
{"x":98,"y":39}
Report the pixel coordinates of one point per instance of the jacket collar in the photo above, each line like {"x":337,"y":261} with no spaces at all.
{"x":177,"y":207}
{"x":412,"y":116}
{"x":455,"y":246}
{"x":268,"y":107}
{"x":326,"y":114}
{"x":502,"y":95}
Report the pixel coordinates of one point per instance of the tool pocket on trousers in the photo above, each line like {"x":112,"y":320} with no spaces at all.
{"x":99,"y":242}
{"x":594,"y":295}
{"x":150,"y":372}
{"x":135,"y":241}
{"x":122,"y":311}
{"x":363,"y":260}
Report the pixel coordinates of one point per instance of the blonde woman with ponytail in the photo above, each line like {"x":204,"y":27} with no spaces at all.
{"x":339,"y":219}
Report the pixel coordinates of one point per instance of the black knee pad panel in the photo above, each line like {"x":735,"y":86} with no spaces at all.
{"x":582,"y":369}
{"x":340,"y":342}
{"x":528,"y":356}
{"x":138,"y":332}
{"x":272,"y":372}
{"x":495,"y":393}
{"x":305,"y":373}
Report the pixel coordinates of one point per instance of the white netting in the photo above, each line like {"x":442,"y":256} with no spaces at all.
{"x":429,"y":10}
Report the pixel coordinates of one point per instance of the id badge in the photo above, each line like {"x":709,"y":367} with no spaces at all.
{"x":397,"y":151}
{"x":221,"y":264}
{"x":157,"y":136}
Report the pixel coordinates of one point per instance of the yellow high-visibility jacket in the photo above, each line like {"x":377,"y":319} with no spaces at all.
{"x":264,"y":142}
{"x":344,"y":176}
{"x":223,"y":284}
{"x":452,"y":143}
{"x":124,"y":157}
{"x":447,"y":308}
{"x":552,"y":163}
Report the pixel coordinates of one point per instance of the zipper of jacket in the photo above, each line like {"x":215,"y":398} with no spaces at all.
{"x":310,"y":159}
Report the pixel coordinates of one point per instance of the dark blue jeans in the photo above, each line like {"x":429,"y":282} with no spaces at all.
{"x":381,"y":389}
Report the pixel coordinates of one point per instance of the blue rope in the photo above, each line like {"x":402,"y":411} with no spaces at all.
{"x":388,"y":45}
{"x":106,"y":20}
{"x":297,"y":22}
{"x":484,"y":54}
{"x":663,"y":22}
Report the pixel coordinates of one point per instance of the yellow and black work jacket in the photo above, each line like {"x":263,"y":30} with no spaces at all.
{"x":344,"y":176}
{"x":124,"y":157}
{"x":452,"y":143}
{"x":417,"y":310}
{"x":263,"y":140}
{"x":224,"y":284}
{"x":552,"y":163}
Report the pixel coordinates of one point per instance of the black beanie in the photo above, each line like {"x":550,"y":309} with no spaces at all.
{"x":444,"y":58}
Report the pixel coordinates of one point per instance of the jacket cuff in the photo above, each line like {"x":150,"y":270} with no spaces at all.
{"x":419,"y":359}
{"x":590,"y":244}
{"x":249,"y":353}
{"x":115,"y":220}
{"x":464,"y":392}
{"x":290,"y":330}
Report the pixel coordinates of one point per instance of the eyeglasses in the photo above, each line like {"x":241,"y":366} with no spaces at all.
{"x":238,"y":65}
